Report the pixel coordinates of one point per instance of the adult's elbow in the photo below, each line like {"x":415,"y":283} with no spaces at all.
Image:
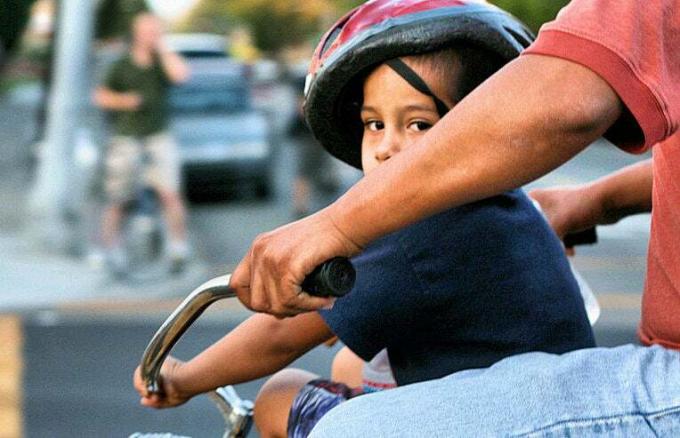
{"x":598,"y":111}
{"x":566,"y":97}
{"x":593,"y":106}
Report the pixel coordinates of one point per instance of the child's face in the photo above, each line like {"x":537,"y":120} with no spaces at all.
{"x":394,"y":114}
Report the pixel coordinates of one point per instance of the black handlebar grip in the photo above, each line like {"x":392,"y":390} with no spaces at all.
{"x":585,"y":237}
{"x":333,"y":278}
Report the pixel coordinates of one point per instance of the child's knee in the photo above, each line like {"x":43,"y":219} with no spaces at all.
{"x":275,"y":398}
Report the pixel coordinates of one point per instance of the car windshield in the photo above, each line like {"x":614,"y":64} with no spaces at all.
{"x":213,"y":93}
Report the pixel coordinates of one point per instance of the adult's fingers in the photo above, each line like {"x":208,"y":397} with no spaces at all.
{"x":268,"y":279}
{"x":240,"y":281}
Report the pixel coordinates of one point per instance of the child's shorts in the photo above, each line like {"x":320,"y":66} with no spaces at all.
{"x":313,"y":401}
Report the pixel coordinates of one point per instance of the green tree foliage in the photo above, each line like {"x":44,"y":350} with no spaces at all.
{"x":274,"y":23}
{"x":210,"y":16}
{"x":13,"y":18}
{"x":278,"y":23}
{"x":343,"y":6}
{"x":115,"y":16}
{"x":533,"y":12}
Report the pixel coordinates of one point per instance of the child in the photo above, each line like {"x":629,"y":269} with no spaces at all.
{"x":462,"y":289}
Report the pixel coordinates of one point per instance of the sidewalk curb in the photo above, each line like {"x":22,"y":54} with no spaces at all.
{"x":34,"y":280}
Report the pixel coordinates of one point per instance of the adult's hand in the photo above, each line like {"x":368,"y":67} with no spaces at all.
{"x":569,"y":209}
{"x":604,"y":201}
{"x":268,"y":278}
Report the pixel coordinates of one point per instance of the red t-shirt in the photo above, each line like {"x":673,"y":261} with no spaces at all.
{"x":635,"y":46}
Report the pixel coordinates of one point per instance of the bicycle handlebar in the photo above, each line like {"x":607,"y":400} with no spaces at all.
{"x":334,"y":277}
{"x":585,"y":237}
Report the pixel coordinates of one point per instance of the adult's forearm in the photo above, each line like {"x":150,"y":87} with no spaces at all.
{"x":528,"y":119}
{"x":623,"y":193}
{"x":174,"y":66}
{"x":113,"y":101}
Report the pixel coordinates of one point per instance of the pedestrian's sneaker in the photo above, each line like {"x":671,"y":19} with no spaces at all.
{"x":177,"y":265}
{"x":96,"y":259}
{"x":178,"y":252}
{"x":116,"y":260}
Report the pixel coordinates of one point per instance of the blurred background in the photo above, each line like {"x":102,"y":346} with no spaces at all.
{"x":71,"y":332}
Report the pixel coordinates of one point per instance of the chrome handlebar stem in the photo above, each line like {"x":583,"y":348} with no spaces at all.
{"x":237,"y":413}
{"x":177,"y":323}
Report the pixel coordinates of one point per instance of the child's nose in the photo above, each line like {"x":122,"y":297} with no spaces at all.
{"x":388,"y":147}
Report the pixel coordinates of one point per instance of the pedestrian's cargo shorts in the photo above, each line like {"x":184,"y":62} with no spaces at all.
{"x":155,"y":158}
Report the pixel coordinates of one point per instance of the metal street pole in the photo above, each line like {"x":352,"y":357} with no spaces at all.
{"x":69,"y":92}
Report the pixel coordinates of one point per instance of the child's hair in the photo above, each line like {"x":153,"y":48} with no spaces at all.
{"x":472,"y":66}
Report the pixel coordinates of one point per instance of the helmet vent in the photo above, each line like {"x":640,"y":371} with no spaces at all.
{"x":330,"y":40}
{"x":524,"y":40}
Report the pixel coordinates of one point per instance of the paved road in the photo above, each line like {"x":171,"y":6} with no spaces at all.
{"x":78,"y":357}
{"x":77,"y":378}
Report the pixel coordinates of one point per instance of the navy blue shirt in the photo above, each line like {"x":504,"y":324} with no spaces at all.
{"x":463,"y":289}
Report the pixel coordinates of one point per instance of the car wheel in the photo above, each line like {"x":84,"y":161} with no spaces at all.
{"x":263,"y":188}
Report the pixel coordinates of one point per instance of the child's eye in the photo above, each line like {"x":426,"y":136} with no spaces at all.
{"x":420,"y":126}
{"x":374,"y":125}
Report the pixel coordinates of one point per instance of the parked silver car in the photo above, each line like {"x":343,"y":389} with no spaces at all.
{"x":198,"y":45}
{"x":224,"y":141}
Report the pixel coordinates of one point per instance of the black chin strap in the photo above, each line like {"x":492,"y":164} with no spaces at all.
{"x":403,"y":70}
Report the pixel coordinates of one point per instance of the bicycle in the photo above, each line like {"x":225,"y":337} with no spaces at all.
{"x":335,"y":277}
{"x":143,"y":233}
{"x":332,"y":278}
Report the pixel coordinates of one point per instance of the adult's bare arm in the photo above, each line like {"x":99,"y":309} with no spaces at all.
{"x":529,"y":118}
{"x":174,"y":66}
{"x":110,"y":100}
{"x":604,"y":201}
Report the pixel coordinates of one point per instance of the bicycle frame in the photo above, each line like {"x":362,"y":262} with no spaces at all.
{"x":237,"y":413}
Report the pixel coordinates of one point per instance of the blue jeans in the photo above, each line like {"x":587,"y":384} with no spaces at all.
{"x":628,"y":391}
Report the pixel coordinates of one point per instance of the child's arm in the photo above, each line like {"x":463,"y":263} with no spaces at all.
{"x":256,"y":348}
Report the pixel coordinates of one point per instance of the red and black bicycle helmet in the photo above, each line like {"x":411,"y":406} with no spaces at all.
{"x":381,"y":30}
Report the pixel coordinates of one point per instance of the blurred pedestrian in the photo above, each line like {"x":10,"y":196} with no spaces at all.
{"x":135,"y":92}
